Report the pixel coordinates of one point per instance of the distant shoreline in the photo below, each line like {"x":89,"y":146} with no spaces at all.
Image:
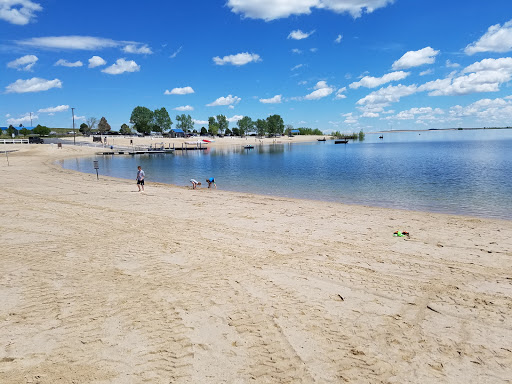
{"x":437,"y":129}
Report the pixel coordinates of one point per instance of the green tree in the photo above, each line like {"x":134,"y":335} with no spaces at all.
{"x":228,"y":132}
{"x":141,"y":119}
{"x":184,"y":122}
{"x":125,"y":130}
{"x":204,"y":131}
{"x":261,"y":127}
{"x":275,"y":125}
{"x":24,"y":131}
{"x":12,"y":131}
{"x":103,"y":126}
{"x":161,"y":120}
{"x":361,"y":135}
{"x":245,"y":125}
{"x":41,"y":130}
{"x":223,"y":123}
{"x":84,"y":129}
{"x":236,"y":131}
{"x":213,"y":126}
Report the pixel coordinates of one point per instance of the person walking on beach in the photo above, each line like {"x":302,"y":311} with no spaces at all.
{"x":140,"y":178}
{"x":195,"y":183}
{"x":211,"y":181}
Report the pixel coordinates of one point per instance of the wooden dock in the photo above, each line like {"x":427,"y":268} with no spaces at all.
{"x":190,"y":148}
{"x":131,"y":152}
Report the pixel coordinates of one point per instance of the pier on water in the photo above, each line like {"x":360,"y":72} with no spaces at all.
{"x":157,"y":149}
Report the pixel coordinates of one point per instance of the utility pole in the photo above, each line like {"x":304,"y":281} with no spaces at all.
{"x":31,"y":126}
{"x":74,"y":134}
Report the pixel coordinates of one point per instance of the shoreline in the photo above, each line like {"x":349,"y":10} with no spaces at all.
{"x":104,"y":284}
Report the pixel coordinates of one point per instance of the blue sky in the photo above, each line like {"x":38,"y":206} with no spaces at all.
{"x":329,"y":64}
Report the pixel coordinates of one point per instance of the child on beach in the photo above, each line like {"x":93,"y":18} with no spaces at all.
{"x":195,"y":183}
{"x":140,"y":178}
{"x":211,"y":181}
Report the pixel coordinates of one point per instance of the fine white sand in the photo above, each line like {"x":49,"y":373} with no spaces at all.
{"x":102,"y":284}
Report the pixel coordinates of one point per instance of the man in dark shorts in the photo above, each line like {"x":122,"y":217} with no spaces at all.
{"x":140,"y":178}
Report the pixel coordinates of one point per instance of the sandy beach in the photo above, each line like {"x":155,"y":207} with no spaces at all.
{"x":102,"y":284}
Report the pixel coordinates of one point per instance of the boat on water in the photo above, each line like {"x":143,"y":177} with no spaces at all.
{"x":321,"y":139}
{"x":248,"y":146}
{"x":340,"y":141}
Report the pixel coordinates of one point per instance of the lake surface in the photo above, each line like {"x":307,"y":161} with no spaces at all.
{"x":460,"y":172}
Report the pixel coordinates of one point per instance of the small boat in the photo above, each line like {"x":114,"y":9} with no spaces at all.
{"x":198,"y":142}
{"x":321,"y":139}
{"x":381,"y":137}
{"x":340,"y":141}
{"x":248,"y":146}
{"x":208,"y":141}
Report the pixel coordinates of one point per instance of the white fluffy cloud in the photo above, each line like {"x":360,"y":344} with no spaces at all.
{"x":229,"y":100}
{"x":96,"y":61}
{"x":276,"y":9}
{"x":385,"y":96}
{"x":350,"y":118}
{"x":25,"y":119}
{"x":238,"y":59}
{"x":24,"y":63}
{"x":70,"y":42}
{"x":299,"y":35}
{"x":34,"y":84}
{"x":485,"y":110}
{"x":84,"y":43}
{"x":338,"y":39}
{"x":200,"y":122}
{"x":483,"y":76}
{"x":138,"y":49}
{"x":321,"y":90}
{"x":122,"y":66}
{"x":60,"y":108}
{"x":340,"y":94}
{"x":179,"y":91}
{"x":235,"y":118}
{"x":449,"y":64}
{"x":20,"y":12}
{"x":184,"y":108}
{"x":273,"y":100}
{"x":373,"y":82}
{"x":412,"y":59}
{"x":424,"y":113}
{"x":65,"y":63}
{"x":497,"y":39}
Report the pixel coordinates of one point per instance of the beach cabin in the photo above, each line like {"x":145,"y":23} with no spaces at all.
{"x":177,"y":132}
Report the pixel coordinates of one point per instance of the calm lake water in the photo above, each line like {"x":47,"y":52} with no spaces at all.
{"x":461,"y":172}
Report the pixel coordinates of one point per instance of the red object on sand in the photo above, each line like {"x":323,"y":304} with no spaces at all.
{"x":206,"y":141}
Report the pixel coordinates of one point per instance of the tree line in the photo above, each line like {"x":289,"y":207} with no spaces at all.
{"x":145,"y":121}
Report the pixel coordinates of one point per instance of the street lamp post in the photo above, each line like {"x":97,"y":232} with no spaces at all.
{"x":74,"y":135}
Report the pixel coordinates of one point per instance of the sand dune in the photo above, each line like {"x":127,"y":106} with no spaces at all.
{"x":102,"y":284}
